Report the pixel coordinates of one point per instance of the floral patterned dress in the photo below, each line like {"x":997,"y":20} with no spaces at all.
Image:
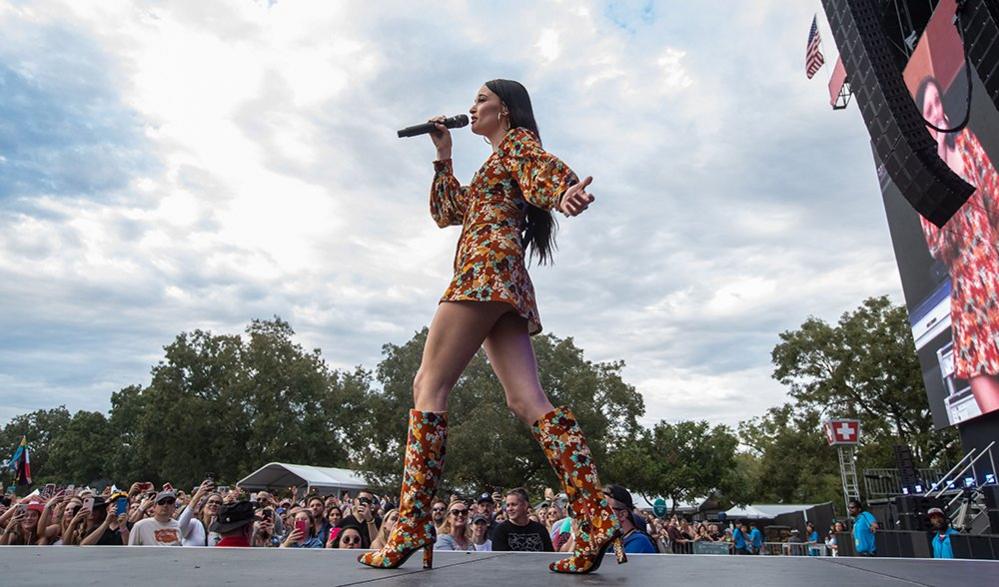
{"x":969,"y":245}
{"x":492,"y":211}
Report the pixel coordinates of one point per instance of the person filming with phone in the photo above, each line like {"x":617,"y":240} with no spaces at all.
{"x":108,"y":522}
{"x":363,"y":516}
{"x":23,"y":525}
{"x":303,"y":534}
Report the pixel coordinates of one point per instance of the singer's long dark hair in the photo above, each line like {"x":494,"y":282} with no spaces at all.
{"x":541,"y":225}
{"x":950,"y":139}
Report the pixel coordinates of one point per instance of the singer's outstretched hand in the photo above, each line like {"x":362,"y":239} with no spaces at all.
{"x":575,"y":199}
{"x":441,"y":138}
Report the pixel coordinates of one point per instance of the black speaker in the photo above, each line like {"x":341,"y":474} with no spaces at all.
{"x":887,"y":544}
{"x":991,"y":493}
{"x":905,"y":546}
{"x":915,"y":522}
{"x":907,"y":504}
{"x":921,"y":545}
{"x":906,"y":466}
{"x":960,"y":545}
{"x":993,"y":521}
{"x":980,"y":19}
{"x":896,"y":126}
{"x":844,"y":544}
{"x":981,"y":547}
{"x":918,"y":504}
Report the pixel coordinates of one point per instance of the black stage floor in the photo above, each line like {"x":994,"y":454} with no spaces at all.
{"x":123,"y":566}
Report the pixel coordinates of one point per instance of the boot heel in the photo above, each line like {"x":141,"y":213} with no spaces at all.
{"x":428,"y":556}
{"x":619,"y":551}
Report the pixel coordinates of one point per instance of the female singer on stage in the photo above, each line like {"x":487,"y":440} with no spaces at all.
{"x":967,"y":244}
{"x":490,"y":302}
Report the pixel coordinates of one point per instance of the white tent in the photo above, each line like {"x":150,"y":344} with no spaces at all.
{"x":765,"y":511}
{"x":325,"y":480}
{"x":682,"y":507}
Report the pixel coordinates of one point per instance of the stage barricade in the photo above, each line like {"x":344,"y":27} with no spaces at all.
{"x":702,"y":547}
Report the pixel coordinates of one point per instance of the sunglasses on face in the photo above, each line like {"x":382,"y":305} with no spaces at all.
{"x":457,"y":513}
{"x":350,"y":540}
{"x":363,"y":501}
{"x":481,"y":523}
{"x":167,"y":501}
{"x":438,"y":509}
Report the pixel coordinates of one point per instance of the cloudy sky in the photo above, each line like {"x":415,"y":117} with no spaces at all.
{"x":167,"y":166}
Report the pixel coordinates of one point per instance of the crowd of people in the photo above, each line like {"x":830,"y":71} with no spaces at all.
{"x":213,"y":515}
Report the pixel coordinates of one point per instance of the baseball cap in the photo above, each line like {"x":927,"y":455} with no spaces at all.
{"x":620,"y":494}
{"x":485,"y":498}
{"x":935,"y":512}
{"x":479,"y":518}
{"x":165,"y":494}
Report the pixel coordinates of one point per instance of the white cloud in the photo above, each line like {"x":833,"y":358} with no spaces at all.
{"x":731,"y":203}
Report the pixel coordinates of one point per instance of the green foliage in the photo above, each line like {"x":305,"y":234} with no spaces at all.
{"x":80,"y":452}
{"x":791,"y":462}
{"x":487,"y":446}
{"x":680,"y":461}
{"x":865,"y":367}
{"x":217,"y":404}
{"x":227,"y":404}
{"x":41,"y":427}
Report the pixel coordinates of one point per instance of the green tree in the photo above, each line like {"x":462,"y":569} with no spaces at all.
{"x":487,"y":446}
{"x":865,"y":367}
{"x":40,"y":427}
{"x":680,"y":461}
{"x":80,"y":453}
{"x":794,"y":463}
{"x":226,"y":405}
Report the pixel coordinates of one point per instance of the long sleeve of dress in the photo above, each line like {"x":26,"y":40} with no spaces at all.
{"x":448,"y":198}
{"x":984,"y":176}
{"x":542,"y":177}
{"x":943,"y":243}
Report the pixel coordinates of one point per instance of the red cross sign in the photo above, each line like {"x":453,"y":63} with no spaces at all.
{"x":842,"y":431}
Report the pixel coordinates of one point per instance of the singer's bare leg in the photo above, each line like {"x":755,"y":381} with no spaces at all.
{"x":985,"y":388}
{"x":511,"y":356}
{"x":456,"y":334}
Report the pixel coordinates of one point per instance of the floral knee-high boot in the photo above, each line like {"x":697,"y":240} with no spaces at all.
{"x":421,"y":475}
{"x":565,"y":446}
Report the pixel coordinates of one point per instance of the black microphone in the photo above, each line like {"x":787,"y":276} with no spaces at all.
{"x":428,"y":127}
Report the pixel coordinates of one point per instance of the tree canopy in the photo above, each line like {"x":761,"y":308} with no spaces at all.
{"x":226,"y":404}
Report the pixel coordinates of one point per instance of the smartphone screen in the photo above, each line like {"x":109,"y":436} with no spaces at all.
{"x":303,"y":526}
{"x":49,"y":489}
{"x":121,"y":506}
{"x":88,"y":504}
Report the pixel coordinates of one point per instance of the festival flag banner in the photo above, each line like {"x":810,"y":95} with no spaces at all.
{"x":20,"y":462}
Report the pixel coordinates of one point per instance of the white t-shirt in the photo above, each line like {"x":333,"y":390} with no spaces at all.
{"x":149,"y":532}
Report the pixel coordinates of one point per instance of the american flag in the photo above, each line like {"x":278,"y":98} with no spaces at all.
{"x":813,"y":57}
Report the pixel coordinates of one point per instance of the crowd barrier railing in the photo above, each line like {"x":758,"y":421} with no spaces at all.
{"x":768,"y":549}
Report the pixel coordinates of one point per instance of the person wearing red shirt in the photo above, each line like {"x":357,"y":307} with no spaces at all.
{"x":235,"y":524}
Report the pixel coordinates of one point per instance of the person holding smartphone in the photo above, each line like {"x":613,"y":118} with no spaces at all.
{"x":23,"y":525}
{"x":112,"y":530}
{"x":303,"y":533}
{"x":364,"y":517}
